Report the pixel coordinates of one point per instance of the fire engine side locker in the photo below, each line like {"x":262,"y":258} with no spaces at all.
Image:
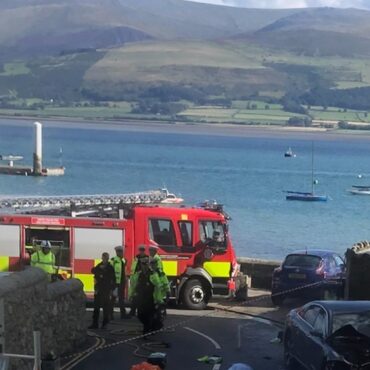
{"x":10,"y":251}
{"x":89,"y":244}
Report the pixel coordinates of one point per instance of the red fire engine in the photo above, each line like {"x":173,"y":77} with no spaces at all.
{"x":193,"y":242}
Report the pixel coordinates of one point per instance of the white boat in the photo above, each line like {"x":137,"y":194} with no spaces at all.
{"x":289,"y":153}
{"x":171,"y":198}
{"x":360,"y":190}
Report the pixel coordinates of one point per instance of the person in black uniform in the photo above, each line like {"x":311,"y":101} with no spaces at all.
{"x":105,"y":282}
{"x":148,"y":297}
{"x":135,"y":269}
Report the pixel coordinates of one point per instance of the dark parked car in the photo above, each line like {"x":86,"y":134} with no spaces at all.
{"x":321,"y":271}
{"x":328,"y":335}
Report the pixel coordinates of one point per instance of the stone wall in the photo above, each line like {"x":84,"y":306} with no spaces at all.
{"x":259,"y":272}
{"x":358,"y":272}
{"x":57,"y":310}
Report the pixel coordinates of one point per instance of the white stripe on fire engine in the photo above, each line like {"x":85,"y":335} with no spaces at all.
{"x":173,"y":257}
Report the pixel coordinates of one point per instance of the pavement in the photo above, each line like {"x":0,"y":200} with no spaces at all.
{"x":238,"y":332}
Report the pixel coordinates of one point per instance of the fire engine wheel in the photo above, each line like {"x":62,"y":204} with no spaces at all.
{"x":195,"y":296}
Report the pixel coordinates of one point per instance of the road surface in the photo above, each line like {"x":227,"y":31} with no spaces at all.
{"x":191,"y":335}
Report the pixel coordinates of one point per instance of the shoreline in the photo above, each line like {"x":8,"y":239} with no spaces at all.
{"x":213,"y":129}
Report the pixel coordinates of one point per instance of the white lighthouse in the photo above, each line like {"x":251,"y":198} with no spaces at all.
{"x":37,"y":155}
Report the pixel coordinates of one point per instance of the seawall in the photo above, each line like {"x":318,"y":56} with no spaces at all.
{"x":258,"y":271}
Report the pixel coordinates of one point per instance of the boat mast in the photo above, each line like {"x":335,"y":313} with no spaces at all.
{"x":312,"y":182}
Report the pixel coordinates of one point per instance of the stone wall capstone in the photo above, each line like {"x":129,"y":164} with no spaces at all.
{"x":57,"y":310}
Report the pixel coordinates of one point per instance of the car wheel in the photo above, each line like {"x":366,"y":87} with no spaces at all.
{"x":195,"y":296}
{"x":289,"y":361}
{"x":277,"y":300}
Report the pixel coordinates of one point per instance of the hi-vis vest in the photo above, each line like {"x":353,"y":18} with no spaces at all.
{"x":154,"y":279}
{"x":158,"y":261}
{"x":44,"y":261}
{"x":164,"y":283}
{"x":117,"y":262}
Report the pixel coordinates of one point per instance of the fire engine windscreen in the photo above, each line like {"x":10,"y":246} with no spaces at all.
{"x":213,"y":234}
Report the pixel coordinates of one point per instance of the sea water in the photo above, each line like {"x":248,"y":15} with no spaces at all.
{"x":246,"y":174}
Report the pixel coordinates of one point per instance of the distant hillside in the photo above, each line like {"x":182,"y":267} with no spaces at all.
{"x":174,"y":50}
{"x":34,"y":27}
{"x":179,"y":68}
{"x":171,"y":19}
{"x":314,"y":43}
{"x":29,"y":27}
{"x":352,"y":21}
{"x":48,"y":27}
{"x":317,"y":32}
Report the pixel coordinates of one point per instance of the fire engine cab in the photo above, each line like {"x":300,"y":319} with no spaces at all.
{"x":193,"y":242}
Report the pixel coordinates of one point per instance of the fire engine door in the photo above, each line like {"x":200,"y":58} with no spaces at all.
{"x":59,"y":238}
{"x":175,"y":241}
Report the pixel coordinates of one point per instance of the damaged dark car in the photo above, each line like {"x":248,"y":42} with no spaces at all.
{"x":328,"y":335}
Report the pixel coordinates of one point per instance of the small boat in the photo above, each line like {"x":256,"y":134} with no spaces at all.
{"x":171,"y":198}
{"x":307,"y":196}
{"x":289,"y":153}
{"x":360,"y":190}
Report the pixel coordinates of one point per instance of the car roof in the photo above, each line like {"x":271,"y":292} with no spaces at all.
{"x":344,"y":306}
{"x":315,"y":252}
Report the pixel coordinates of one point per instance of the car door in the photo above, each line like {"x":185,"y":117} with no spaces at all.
{"x":330,"y":268}
{"x":340,"y":267}
{"x":315,"y":342}
{"x":338,"y":275}
{"x":302,"y":332}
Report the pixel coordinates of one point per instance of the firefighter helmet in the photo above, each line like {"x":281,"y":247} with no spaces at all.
{"x":45,"y":244}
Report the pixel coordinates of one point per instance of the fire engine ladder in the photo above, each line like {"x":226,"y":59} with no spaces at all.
{"x":80,"y":201}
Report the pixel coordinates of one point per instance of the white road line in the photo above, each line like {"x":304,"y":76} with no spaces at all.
{"x":204,"y":336}
{"x":215,"y":366}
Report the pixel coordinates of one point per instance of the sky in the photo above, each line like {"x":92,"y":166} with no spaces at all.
{"x":361,"y":4}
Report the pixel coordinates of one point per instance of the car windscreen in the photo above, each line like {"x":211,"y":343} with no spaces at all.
{"x":302,"y":260}
{"x":359,"y":320}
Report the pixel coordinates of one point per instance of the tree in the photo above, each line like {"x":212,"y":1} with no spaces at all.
{"x":343,"y":124}
{"x":300,"y":121}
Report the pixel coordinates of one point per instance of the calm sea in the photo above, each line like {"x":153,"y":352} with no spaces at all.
{"x":245,"y":173}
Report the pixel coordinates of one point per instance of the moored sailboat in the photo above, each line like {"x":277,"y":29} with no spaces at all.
{"x":307,"y":196}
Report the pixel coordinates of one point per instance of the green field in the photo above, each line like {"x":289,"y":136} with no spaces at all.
{"x":14,"y":69}
{"x":275,"y":115}
{"x":116,"y":111}
{"x":337,"y":114}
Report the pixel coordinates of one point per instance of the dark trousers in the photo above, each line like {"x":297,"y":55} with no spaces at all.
{"x":133,"y":308}
{"x":101,"y":300}
{"x":121,"y":299}
{"x":146,"y":317}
